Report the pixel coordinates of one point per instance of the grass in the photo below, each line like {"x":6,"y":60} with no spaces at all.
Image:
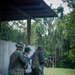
{"x":59,"y":71}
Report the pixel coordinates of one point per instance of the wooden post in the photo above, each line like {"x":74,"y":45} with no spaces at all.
{"x":0,"y":23}
{"x":29,"y":31}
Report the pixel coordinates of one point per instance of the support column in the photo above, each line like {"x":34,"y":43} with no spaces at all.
{"x":0,"y":23}
{"x":28,"y":31}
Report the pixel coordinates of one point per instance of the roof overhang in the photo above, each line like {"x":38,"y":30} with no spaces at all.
{"x":23,"y":9}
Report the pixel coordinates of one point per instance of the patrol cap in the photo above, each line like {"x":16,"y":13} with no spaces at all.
{"x":19,"y":44}
{"x":27,"y":49}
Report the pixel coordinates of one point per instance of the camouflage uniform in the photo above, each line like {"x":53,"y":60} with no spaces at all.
{"x":41,"y":62}
{"x":26,"y":52}
{"x":17,"y":62}
{"x":35,"y":64}
{"x":38,"y":63}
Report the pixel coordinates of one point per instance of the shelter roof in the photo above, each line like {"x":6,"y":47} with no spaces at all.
{"x":23,"y":9}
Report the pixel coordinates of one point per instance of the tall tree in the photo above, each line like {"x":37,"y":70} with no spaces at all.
{"x":71,"y":3}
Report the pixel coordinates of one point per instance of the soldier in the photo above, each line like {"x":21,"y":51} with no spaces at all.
{"x":26,"y":52}
{"x":17,"y":61}
{"x":38,"y":62}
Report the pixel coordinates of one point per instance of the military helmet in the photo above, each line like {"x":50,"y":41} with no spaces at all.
{"x":27,"y":49}
{"x":19,"y":44}
{"x":40,"y":48}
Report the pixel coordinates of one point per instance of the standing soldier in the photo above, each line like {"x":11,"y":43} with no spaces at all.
{"x":17,"y":61}
{"x":38,"y":62}
{"x":26,"y":52}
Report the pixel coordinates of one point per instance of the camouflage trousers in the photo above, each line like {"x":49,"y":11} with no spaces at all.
{"x":37,"y":72}
{"x":29,"y":73}
{"x":16,"y":72}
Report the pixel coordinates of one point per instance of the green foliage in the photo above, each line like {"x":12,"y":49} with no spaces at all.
{"x":40,"y":30}
{"x":65,"y":29}
{"x":71,"y":3}
{"x":70,"y":35}
{"x":9,"y":33}
{"x":72,"y":55}
{"x":5,"y":31}
{"x":60,"y":10}
{"x":47,"y":53}
{"x":33,"y":34}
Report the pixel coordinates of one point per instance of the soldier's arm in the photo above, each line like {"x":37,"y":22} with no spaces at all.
{"x":41,"y":57}
{"x":22,"y":57}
